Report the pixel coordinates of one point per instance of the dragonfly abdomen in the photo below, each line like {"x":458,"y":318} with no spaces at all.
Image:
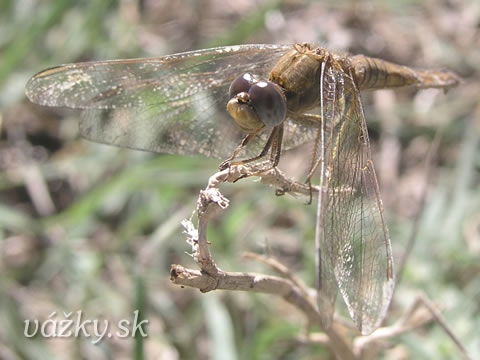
{"x":372,"y":73}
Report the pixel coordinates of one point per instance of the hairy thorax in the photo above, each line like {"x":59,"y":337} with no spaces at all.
{"x":298,"y":73}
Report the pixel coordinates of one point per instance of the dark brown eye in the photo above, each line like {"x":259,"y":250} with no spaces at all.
{"x":241,"y":84}
{"x":269,"y":102}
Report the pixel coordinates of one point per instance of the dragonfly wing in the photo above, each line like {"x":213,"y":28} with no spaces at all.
{"x":172,"y":104}
{"x":355,"y":240}
{"x":330,"y":110}
{"x":327,"y":287}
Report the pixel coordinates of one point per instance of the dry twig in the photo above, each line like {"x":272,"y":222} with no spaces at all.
{"x":211,"y":277}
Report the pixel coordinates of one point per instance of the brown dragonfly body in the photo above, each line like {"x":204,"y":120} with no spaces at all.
{"x":298,"y":72}
{"x":279,"y":96}
{"x":299,"y":75}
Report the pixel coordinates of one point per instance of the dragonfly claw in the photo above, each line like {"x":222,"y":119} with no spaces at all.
{"x":224,"y":165}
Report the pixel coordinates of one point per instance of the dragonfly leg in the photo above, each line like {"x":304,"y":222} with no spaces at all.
{"x":310,"y":192}
{"x":274,"y":142}
{"x":276,"y":146}
{"x":316,"y":155}
{"x":319,"y":152}
{"x":266,"y":148}
{"x":225,"y":164}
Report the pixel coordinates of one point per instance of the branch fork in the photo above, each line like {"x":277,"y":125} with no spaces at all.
{"x":210,"y":277}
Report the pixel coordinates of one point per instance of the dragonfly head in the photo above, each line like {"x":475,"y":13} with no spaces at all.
{"x":256,"y":104}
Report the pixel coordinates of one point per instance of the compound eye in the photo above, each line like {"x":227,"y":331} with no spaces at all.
{"x":241,"y":84}
{"x":269,"y":102}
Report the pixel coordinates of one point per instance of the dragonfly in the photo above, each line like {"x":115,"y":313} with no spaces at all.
{"x":247,"y":101}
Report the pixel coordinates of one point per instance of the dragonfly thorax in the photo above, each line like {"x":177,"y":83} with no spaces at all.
{"x":298,"y":73}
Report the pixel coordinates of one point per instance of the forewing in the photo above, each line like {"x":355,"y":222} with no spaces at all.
{"x":356,"y":244}
{"x":331,"y":109}
{"x":299,"y":129}
{"x":172,"y":104}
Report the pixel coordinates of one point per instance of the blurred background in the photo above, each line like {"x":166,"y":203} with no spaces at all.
{"x":95,"y":228}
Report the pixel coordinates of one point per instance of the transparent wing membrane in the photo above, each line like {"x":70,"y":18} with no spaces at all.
{"x":177,"y":104}
{"x":354,"y":240}
{"x":173,"y":104}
